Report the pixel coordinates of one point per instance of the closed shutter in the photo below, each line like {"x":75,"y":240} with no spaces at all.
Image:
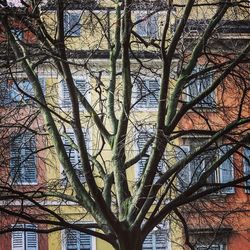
{"x":246,"y":161}
{"x":74,"y":155}
{"x":31,"y":238}
{"x":81,"y":85}
{"x":184,"y":174}
{"x":17,"y":95}
{"x":147,"y":93}
{"x":156,"y":240}
{"x":4,"y":94}
{"x":18,"y":239}
{"x":226,"y":170}
{"x":24,"y":240}
{"x":72,"y":240}
{"x":143,"y":137}
{"x":85,"y":241}
{"x":23,"y":160}
{"x":153,"y":86}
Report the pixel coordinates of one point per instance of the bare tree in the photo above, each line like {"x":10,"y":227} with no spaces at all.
{"x":156,"y":88}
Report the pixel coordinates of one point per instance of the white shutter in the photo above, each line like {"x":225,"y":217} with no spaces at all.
{"x":148,"y":242}
{"x":18,"y":239}
{"x":153,"y":86}
{"x":184,"y":174}
{"x":31,"y":238}
{"x":226,"y":170}
{"x":85,"y":241}
{"x":143,"y":137}
{"x":72,"y":240}
{"x":4,"y":93}
{"x":247,"y":167}
{"x":161,"y":240}
{"x":29,"y":161}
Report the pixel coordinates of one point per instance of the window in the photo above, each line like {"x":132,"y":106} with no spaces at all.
{"x":72,"y":26}
{"x":198,"y":86}
{"x":24,"y":240}
{"x":18,"y":34}
{"x":82,"y":86}
{"x":147,"y":93}
{"x":22,"y":159}
{"x":17,"y":96}
{"x":147,"y":27}
{"x":76,"y":240}
{"x":157,"y":240}
{"x":4,"y":94}
{"x":210,"y":247}
{"x":194,"y":170}
{"x":141,"y":140}
{"x":246,"y":162}
{"x":73,"y":154}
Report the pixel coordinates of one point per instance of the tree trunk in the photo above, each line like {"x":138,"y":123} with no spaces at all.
{"x":129,"y":242}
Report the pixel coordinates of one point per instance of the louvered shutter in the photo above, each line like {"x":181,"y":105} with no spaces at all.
{"x":141,"y":94}
{"x":65,"y":99}
{"x":184,"y":174}
{"x":148,"y":242}
{"x":4,"y":94}
{"x":152,"y":27}
{"x":18,"y":239}
{"x":226,"y":170}
{"x":161,"y":240}
{"x":247,"y":167}
{"x":153,"y":86}
{"x":31,"y":238}
{"x":29,"y":161}
{"x":141,"y":140}
{"x":85,"y":241}
{"x":15,"y":159}
{"x":72,"y":240}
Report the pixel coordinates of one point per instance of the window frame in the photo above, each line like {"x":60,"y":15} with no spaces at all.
{"x":34,"y":154}
{"x":86,"y":132}
{"x":64,"y":238}
{"x":137,"y":94}
{"x":72,"y":30}
{"x":63,"y":86}
{"x":24,"y":237}
{"x":193,"y":82}
{"x":145,"y":22}
{"x":217,"y":175}
{"x":245,"y":170}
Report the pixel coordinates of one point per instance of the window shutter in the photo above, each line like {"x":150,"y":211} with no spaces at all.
{"x":226,"y":170}
{"x":148,"y":242}
{"x":29,"y":164}
{"x":65,"y":98}
{"x":71,"y":240}
{"x":161,"y":240}
{"x":18,"y":239}
{"x":141,"y":140}
{"x":141,"y":94}
{"x":85,"y":241}
{"x":247,"y":167}
{"x":184,"y":175}
{"x":22,"y":163}
{"x":153,"y":97}
{"x":31,"y":238}
{"x":4,"y":94}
